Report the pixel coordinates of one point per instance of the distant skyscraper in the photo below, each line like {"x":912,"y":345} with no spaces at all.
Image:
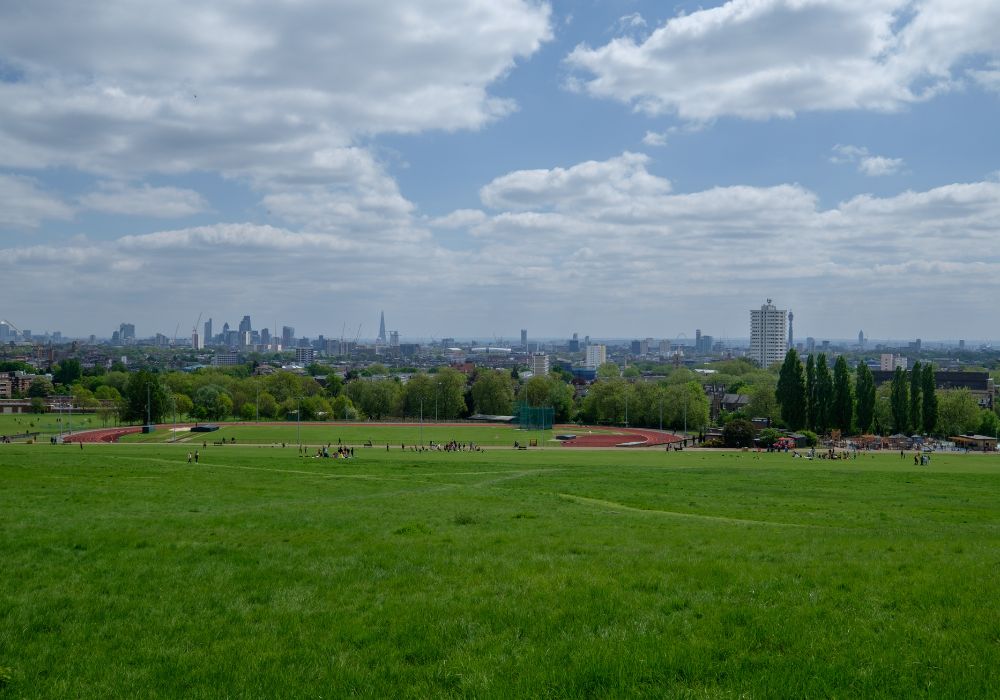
{"x":524,"y":338}
{"x":126,"y":331}
{"x":287,"y":336}
{"x":245,"y":325}
{"x":574,"y":344}
{"x":208,"y":331}
{"x":394,"y":339}
{"x":791,"y":335}
{"x":861,"y":339}
{"x":768,"y":334}
{"x":197,"y":342}
{"x":381,"y":328}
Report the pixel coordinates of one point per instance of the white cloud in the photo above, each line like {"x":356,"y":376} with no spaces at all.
{"x":144,"y":200}
{"x":247,"y":89}
{"x":867,"y":163}
{"x":460,"y":218}
{"x":24,"y":205}
{"x":614,"y":181}
{"x":602,"y":240}
{"x":653,"y":138}
{"x":775,"y":58}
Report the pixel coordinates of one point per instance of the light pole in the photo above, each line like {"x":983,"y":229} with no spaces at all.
{"x":258,"y":400}
{"x":298,"y":422}
{"x":421,"y":421}
{"x":626,"y":408}
{"x":149,"y":420}
{"x":661,"y":412}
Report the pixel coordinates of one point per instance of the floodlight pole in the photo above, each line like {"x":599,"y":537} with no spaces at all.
{"x":661,"y":412}
{"x":298,"y":422}
{"x":258,"y":400}
{"x":626,"y":408}
{"x":421,"y":421}
{"x":149,"y":420}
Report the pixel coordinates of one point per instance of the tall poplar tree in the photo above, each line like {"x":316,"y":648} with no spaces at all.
{"x":812,"y":409}
{"x":930,"y":405}
{"x":899,"y":401}
{"x":791,"y":391}
{"x":824,"y":395}
{"x":916,"y":401}
{"x":842,"y":412}
{"x":864,"y":390}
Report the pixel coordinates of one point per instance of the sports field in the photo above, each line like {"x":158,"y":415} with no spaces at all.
{"x":128,"y":572}
{"x":379,"y":434}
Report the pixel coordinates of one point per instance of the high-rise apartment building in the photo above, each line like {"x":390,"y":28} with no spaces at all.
{"x":539,"y":364}
{"x":768,"y":334}
{"x":393,"y":339}
{"x":597,"y":355}
{"x":208,"y":332}
{"x":245,"y":325}
{"x":287,"y":336}
{"x":126,"y":332}
{"x":524,"y":339}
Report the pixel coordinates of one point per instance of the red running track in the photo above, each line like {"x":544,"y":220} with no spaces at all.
{"x":103,"y":435}
{"x":633,"y":437}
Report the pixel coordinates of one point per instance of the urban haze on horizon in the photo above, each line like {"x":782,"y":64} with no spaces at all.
{"x":476,"y":168}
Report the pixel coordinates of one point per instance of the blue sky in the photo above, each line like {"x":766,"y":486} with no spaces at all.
{"x":609,"y":167}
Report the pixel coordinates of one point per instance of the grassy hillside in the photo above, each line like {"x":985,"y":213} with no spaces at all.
{"x":128,"y":572}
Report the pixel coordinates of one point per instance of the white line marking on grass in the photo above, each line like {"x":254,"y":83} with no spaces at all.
{"x":583,"y":500}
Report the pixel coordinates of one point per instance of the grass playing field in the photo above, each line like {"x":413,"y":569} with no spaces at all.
{"x":558,"y":573}
{"x":351,"y":434}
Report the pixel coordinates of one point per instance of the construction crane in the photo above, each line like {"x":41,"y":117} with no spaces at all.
{"x":358,"y":334}
{"x":197,"y":323}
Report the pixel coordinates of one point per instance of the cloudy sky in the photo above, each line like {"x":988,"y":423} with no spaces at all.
{"x":612,"y":167}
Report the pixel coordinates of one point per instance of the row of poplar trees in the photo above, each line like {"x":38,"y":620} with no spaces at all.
{"x":813,"y":398}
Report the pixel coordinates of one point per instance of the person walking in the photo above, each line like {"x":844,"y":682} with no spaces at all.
{"x":189,"y":458}
{"x":196,"y":456}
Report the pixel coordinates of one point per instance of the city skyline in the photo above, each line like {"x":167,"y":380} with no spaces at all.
{"x":483,"y":167}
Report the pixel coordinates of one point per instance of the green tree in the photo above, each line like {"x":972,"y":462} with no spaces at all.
{"x":791,"y":391}
{"x":958,"y":412}
{"x":916,"y":400}
{"x":989,"y":423}
{"x":212,"y":402}
{"x":334,"y":385}
{"x":449,"y":393}
{"x":40,"y":388}
{"x":268,"y":405}
{"x":768,"y":436}
{"x":377,"y":398}
{"x":686,"y":405}
{"x":67,"y":372}
{"x":605,"y":402}
{"x":812,"y":404}
{"x":493,"y":393}
{"x":864,"y":388}
{"x":182,"y":404}
{"x":142,"y":385}
{"x":549,"y":391}
{"x":343,"y":408}
{"x":824,"y":395}
{"x":608,"y":370}
{"x":900,"y":401}
{"x":738,"y":433}
{"x":882,"y":422}
{"x":930,"y":405}
{"x":843,"y":398}
{"x":418,"y":396}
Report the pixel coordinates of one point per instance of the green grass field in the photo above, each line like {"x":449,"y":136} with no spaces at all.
{"x":557,"y":573}
{"x":48,"y":424}
{"x":351,"y":434}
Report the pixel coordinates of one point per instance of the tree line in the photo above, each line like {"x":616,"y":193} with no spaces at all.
{"x":812,"y":397}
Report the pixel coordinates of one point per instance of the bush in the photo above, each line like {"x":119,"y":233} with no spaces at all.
{"x":738,"y":433}
{"x":812,"y":439}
